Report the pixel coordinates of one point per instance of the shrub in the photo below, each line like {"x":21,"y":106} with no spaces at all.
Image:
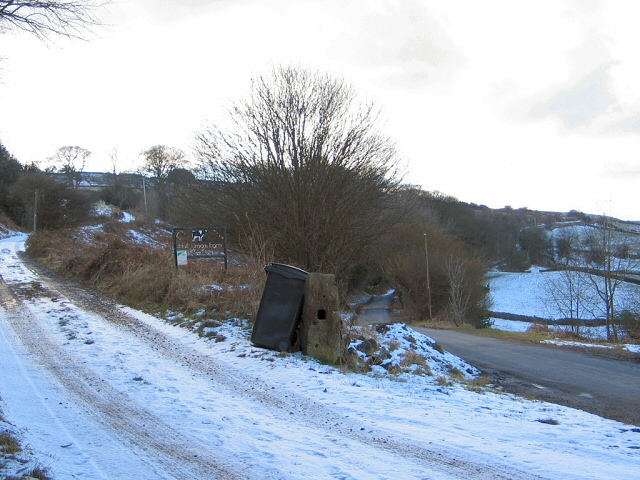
{"x":630,"y":325}
{"x":455,"y":275}
{"x":9,"y":445}
{"x":58,"y":206}
{"x":146,"y":277}
{"x":479,"y":384}
{"x":413,"y":358}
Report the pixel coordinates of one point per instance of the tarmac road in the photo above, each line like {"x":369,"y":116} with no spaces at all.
{"x":604,"y":386}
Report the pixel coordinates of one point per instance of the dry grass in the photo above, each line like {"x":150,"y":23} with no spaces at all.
{"x":545,"y":331}
{"x":37,"y":473}
{"x":7,"y":223}
{"x":146,"y":277}
{"x":479,"y":384}
{"x":413,"y":358}
{"x":457,"y":374}
{"x":9,"y":445}
{"x":351,"y":362}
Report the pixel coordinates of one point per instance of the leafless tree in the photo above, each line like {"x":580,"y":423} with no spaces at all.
{"x":57,"y":205}
{"x":45,"y":18}
{"x":113,"y":156}
{"x":565,"y":244}
{"x":609,"y":259}
{"x":159,"y":162}
{"x":305,"y":166}
{"x":568,"y":294}
{"x":70,"y":160}
{"x":460,"y":293}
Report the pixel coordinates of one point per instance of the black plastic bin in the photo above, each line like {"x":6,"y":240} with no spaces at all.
{"x":280,"y":307}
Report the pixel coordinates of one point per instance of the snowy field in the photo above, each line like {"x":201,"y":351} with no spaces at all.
{"x":529,"y":294}
{"x":126,"y":401}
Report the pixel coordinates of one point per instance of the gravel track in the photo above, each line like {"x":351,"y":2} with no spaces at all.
{"x":177,"y":455}
{"x":184,"y":456}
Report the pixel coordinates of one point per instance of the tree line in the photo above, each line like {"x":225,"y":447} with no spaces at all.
{"x":302,"y":174}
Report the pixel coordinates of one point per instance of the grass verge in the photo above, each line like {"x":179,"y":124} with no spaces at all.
{"x":144,"y":276}
{"x":536,"y":335}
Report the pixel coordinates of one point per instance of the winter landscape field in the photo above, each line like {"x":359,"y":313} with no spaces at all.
{"x":527,"y":294}
{"x":461,"y":317}
{"x":94,"y":390}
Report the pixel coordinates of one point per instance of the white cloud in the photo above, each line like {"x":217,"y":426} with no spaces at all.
{"x":488,"y":101}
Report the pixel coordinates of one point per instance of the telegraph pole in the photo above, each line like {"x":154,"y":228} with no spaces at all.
{"x":35,"y":212}
{"x":144,"y":194}
{"x":426,"y":252}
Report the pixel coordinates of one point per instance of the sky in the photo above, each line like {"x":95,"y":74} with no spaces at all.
{"x":94,"y":398}
{"x":497,"y":103}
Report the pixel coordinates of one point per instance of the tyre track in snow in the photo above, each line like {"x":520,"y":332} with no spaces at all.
{"x":287,"y":408}
{"x":178,"y":456}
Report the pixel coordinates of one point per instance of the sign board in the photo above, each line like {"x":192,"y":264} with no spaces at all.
{"x":181,"y":257}
{"x":199,"y":242}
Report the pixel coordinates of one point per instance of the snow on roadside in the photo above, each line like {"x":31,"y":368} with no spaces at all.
{"x":23,"y":461}
{"x":510,"y":325}
{"x":398,"y":349}
{"x":580,"y":445}
{"x":563,"y":343}
{"x":539,"y":438}
{"x":8,"y":233}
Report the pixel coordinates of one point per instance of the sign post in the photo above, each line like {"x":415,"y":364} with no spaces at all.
{"x":199,"y":242}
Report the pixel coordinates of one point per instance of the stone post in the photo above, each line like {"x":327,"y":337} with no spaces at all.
{"x":321,"y":329}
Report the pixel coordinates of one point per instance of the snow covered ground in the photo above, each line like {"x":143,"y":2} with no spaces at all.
{"x":529,"y":294}
{"x":132,"y":396}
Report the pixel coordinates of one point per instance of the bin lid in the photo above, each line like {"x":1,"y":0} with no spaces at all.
{"x":287,"y":271}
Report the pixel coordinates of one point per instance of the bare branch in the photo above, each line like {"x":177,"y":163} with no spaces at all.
{"x":306,"y":165}
{"x":46,"y":18}
{"x":70,"y":160}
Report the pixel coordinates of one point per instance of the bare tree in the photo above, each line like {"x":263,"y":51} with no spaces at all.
{"x":57,"y":206}
{"x":305,"y":166}
{"x":44,"y":18}
{"x":609,"y":260}
{"x":565,"y":244}
{"x":70,"y":160}
{"x":113,"y":156}
{"x":159,"y":161}
{"x":460,"y":295}
{"x":569,"y":294}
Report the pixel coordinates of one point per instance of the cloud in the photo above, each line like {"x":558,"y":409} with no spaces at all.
{"x":632,"y":123}
{"x":402,"y":43}
{"x":174,"y":11}
{"x":587,"y":91}
{"x":581,"y":103}
{"x":594,"y":98}
{"x":591,"y":105}
{"x":623,"y":171}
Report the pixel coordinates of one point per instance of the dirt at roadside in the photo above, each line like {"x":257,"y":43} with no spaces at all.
{"x":511,"y":384}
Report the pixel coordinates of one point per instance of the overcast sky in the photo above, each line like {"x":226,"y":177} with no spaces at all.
{"x":527,"y":104}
